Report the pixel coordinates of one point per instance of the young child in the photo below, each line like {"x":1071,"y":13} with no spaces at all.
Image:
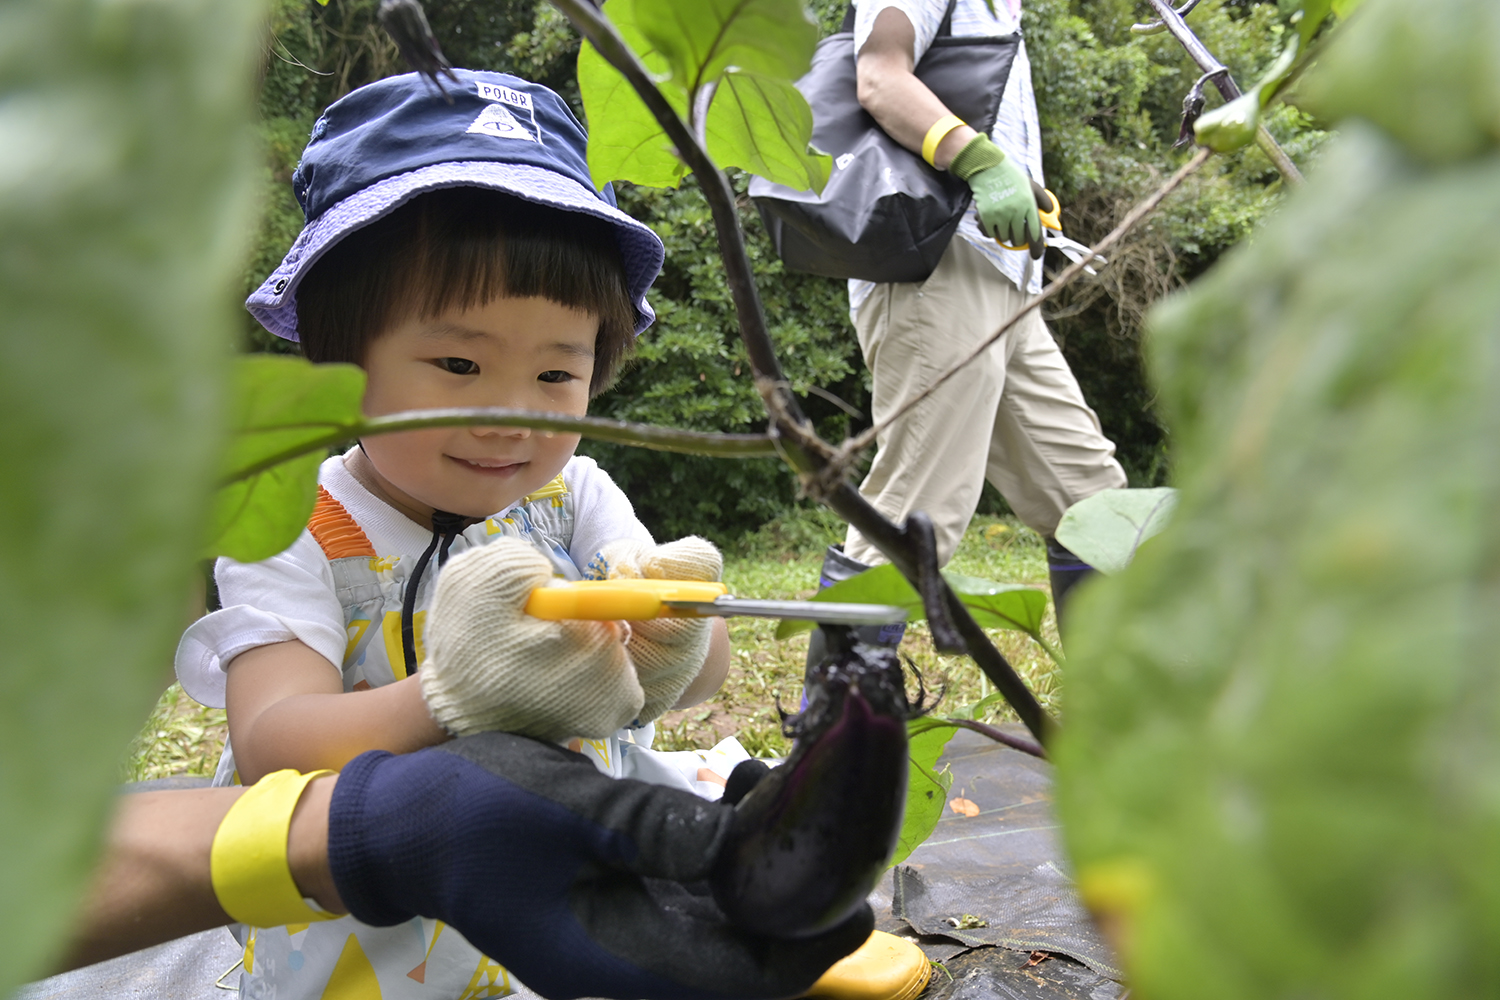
{"x":458,"y":252}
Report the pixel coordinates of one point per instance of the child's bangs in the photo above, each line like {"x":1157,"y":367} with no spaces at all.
{"x":460,"y":248}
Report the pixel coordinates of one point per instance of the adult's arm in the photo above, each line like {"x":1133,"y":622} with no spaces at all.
{"x":906,"y":110}
{"x":893,"y":95}
{"x":153,"y":883}
{"x":571,"y":879}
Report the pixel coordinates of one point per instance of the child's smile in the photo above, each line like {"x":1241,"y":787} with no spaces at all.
{"x":524,"y":353}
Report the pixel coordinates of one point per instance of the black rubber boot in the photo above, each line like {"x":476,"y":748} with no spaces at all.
{"x":837,"y":567}
{"x":1066,"y":571}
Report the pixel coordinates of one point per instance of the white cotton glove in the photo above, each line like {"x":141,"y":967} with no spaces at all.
{"x":668,"y":652}
{"x":489,"y":665}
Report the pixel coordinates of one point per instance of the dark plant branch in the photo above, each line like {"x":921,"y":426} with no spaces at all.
{"x":847,"y":502}
{"x":1158,"y":26}
{"x":1172,"y":20}
{"x":945,"y":637}
{"x":597,"y":428}
{"x":999,"y":736}
{"x":850,"y":448}
{"x":810,"y":456}
{"x":595,"y":27}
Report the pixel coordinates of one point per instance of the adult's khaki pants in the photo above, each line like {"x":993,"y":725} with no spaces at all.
{"x":1014,"y":416}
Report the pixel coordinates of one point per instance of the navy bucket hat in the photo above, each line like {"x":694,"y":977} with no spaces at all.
{"x":385,"y":143}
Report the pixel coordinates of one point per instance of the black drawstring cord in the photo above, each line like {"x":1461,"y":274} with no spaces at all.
{"x":445,"y":528}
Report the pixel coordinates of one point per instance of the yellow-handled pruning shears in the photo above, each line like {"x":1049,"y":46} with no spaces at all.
{"x":1052,"y":229}
{"x":641,"y":600}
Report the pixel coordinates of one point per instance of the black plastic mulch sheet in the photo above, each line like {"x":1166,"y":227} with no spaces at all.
{"x":993,"y":874}
{"x":1038,"y":911}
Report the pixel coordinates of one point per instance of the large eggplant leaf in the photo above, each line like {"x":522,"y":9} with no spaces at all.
{"x":994,"y":605}
{"x":763,"y":125}
{"x":756,"y":120}
{"x":1277,"y":776}
{"x":625,"y":142}
{"x":926,"y":789}
{"x":700,"y":41}
{"x":126,"y":198}
{"x":1106,"y":529}
{"x":280,"y":404}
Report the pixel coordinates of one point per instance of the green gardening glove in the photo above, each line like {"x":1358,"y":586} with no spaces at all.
{"x":1002,"y":195}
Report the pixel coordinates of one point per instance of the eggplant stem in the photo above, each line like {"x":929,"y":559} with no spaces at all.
{"x":999,"y":736}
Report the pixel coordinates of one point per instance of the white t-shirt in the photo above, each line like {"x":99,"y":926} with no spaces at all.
{"x":1017,"y":130}
{"x":292,"y":595}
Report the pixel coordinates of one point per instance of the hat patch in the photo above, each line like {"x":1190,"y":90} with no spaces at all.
{"x":495,"y":120}
{"x":495,"y":92}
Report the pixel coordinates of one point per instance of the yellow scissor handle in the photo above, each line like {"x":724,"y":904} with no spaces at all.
{"x":1051,"y":217}
{"x":615,"y":600}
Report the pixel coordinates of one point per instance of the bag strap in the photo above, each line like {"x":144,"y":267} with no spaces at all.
{"x":944,"y":29}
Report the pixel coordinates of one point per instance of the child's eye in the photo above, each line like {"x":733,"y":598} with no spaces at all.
{"x":458,"y":366}
{"x":555,"y":376}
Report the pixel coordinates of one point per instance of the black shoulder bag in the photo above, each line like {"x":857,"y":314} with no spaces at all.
{"x":885,"y":215}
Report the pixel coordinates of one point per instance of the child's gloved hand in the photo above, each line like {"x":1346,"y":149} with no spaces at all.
{"x":580,"y":884}
{"x":491,"y":666}
{"x":667,"y":652}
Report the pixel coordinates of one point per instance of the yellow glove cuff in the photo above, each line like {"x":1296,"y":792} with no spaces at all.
{"x":937,"y":134}
{"x":248,"y":864}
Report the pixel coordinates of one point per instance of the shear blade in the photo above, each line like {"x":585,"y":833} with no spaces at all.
{"x":830,"y":612}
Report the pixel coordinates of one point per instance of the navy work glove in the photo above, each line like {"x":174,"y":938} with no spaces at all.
{"x":580,"y":884}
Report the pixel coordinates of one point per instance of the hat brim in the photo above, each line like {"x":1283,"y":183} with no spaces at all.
{"x":274,"y":303}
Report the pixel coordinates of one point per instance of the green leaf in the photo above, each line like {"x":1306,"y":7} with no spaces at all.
{"x":1234,"y":125}
{"x":763,"y":125}
{"x":1278,"y":769}
{"x":1230,"y":127}
{"x":994,"y":605}
{"x":979,"y":709}
{"x":1106,"y":529}
{"x":757,"y":120}
{"x":126,"y":193}
{"x":282,"y":404}
{"x":625,"y":141}
{"x":1444,"y":105}
{"x":1001,"y":605}
{"x":1307,"y":15}
{"x":1343,"y":8}
{"x":699,"y":41}
{"x":926,"y":791}
{"x":258,"y":517}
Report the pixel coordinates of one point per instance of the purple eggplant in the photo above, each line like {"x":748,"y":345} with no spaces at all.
{"x":811,"y":838}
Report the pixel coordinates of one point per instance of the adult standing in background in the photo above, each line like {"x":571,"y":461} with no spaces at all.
{"x":1016,"y":415}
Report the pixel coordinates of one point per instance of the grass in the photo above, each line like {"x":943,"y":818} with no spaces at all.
{"x":780,"y":561}
{"x":180,"y":737}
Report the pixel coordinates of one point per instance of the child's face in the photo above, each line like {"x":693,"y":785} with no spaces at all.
{"x":526,"y":353}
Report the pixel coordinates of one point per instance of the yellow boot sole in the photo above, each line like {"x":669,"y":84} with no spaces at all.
{"x":885,"y":967}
